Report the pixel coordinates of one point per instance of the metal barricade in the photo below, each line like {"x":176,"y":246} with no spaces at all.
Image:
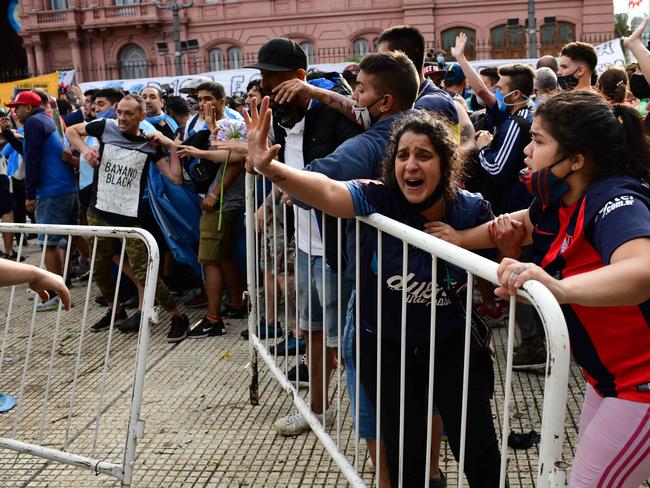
{"x":262,"y":240}
{"x":57,"y":368}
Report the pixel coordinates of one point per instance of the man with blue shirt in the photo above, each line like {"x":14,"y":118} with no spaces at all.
{"x":50,"y":186}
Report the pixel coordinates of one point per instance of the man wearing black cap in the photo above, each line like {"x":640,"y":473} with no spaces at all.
{"x":307,"y":131}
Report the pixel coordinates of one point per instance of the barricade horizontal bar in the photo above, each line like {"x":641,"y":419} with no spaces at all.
{"x":96,"y":465}
{"x":79,"y":230}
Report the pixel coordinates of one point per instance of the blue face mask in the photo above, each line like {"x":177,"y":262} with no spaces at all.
{"x":545,"y":184}
{"x":501,"y":100}
{"x":440,"y":58}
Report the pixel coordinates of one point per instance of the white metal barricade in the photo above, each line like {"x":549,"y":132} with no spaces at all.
{"x":262,"y":240}
{"x":75,"y":387}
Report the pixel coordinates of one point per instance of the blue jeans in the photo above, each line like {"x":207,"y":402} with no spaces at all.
{"x":314,"y":291}
{"x":367,"y":416}
{"x":61,"y":210}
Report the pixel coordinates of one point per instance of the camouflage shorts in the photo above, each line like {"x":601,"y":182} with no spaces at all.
{"x":278,"y":264}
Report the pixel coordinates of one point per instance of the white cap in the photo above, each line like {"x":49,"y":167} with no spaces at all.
{"x":193,"y":83}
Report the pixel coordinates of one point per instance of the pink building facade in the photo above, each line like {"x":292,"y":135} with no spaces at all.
{"x":110,"y":39}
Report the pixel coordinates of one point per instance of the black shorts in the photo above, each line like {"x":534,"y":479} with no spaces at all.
{"x":7,"y":203}
{"x":85,"y":195}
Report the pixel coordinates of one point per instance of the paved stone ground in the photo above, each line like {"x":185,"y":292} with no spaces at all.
{"x":201,"y":430}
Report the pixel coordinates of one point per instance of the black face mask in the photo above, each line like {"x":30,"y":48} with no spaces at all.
{"x":639,"y":87}
{"x":568,"y":82}
{"x":288,"y":115}
{"x":429,"y":201}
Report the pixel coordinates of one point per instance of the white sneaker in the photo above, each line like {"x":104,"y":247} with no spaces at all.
{"x":295,"y":423}
{"x":52,"y":304}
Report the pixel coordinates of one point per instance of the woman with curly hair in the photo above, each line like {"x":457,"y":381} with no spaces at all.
{"x":419,"y":184}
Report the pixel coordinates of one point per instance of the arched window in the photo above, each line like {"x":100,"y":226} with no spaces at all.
{"x":361,"y":47}
{"x":308,"y":47}
{"x":234,"y":58}
{"x":215,"y":59}
{"x":554,"y":35}
{"x":508,"y":42}
{"x":133,"y":62}
{"x":449,"y":40}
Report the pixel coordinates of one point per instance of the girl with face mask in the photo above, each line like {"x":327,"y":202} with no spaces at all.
{"x":589,"y":225}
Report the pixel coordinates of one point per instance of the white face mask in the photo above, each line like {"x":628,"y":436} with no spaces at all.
{"x":362,"y":114}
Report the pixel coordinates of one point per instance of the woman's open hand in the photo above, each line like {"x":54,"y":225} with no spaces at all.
{"x":258,"y":126}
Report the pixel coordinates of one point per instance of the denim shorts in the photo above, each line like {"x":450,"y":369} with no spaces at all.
{"x":367,"y":416}
{"x":61,"y":210}
{"x":314,"y":291}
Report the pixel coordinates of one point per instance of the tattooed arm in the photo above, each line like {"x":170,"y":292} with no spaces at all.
{"x":290,"y":89}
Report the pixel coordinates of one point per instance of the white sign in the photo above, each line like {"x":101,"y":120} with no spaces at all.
{"x":235,"y":81}
{"x":610,"y":54}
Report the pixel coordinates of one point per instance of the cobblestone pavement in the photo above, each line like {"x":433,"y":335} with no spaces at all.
{"x":200,"y":430}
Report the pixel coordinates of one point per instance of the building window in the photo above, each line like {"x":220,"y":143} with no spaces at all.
{"x":508,"y":42}
{"x":554,"y":35}
{"x":361,"y":48}
{"x":126,"y":2}
{"x":215,"y":58}
{"x":59,"y":4}
{"x":234,"y":58}
{"x":133,"y":62}
{"x":308,"y":47}
{"x":449,"y":40}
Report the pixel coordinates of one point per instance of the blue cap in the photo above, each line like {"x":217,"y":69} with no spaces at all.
{"x":455,"y":74}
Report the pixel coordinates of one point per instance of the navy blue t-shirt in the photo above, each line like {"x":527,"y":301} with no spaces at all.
{"x":612,"y":344}
{"x":370,"y":197}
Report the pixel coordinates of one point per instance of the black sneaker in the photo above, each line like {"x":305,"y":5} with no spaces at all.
{"x":233,"y":313}
{"x":529,"y":356}
{"x":131,"y":302}
{"x":105,"y":321}
{"x":205,"y":328}
{"x":101,"y":301}
{"x":438,"y":482}
{"x":301,"y":372}
{"x":132,"y":324}
{"x":178,"y":329}
{"x":13,"y":256}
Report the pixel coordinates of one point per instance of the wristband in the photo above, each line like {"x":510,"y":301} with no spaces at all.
{"x":210,"y":194}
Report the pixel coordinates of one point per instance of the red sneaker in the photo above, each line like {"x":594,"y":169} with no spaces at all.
{"x":497,"y":315}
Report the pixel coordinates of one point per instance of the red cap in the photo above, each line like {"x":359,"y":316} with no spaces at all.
{"x":26,"y":98}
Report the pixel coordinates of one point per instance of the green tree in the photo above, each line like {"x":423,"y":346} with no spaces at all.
{"x":621,"y":26}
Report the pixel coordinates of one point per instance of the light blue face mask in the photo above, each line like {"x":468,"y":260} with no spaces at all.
{"x":440,"y":59}
{"x":501,"y":100}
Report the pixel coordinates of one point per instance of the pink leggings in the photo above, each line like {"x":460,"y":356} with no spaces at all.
{"x":614,"y":446}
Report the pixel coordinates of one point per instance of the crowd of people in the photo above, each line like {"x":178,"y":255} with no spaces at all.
{"x":545,"y":169}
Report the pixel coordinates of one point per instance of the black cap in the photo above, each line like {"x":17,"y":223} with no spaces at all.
{"x":280,"y":54}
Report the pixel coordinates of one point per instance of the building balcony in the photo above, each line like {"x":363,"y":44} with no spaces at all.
{"x":96,"y":17}
{"x":52,"y":20}
{"x":120,"y":15}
